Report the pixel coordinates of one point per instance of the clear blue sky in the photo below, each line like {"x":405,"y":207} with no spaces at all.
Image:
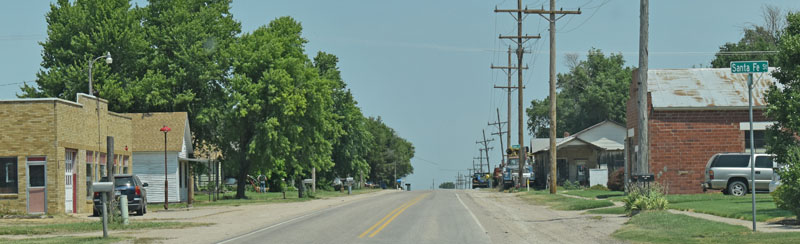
{"x":423,"y":66}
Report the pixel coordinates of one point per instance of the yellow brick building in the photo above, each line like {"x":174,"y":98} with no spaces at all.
{"x":52,"y":149}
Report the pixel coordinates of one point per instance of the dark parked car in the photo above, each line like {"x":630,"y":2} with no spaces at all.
{"x":130,"y":186}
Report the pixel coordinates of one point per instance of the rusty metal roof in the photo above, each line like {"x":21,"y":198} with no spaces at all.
{"x":680,"y":89}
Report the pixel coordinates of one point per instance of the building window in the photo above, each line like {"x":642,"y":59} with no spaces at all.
{"x":103,"y":172}
{"x":759,"y":140}
{"x":126,"y":164}
{"x":8,"y":175}
{"x":89,"y":171}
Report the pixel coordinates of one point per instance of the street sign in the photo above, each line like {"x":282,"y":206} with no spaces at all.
{"x":738,"y":67}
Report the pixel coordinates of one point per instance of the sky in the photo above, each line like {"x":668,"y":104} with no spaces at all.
{"x":423,"y":66}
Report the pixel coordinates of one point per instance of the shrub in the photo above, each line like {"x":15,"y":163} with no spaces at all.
{"x":616,"y":181}
{"x":787,"y":197}
{"x":568,"y":185}
{"x":642,"y":198}
{"x":599,"y":187}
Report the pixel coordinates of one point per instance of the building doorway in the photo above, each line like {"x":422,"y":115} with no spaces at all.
{"x":70,"y":178}
{"x":37,"y":185}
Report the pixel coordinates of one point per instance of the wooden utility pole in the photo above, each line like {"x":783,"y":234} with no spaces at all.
{"x":643,"y":153}
{"x":486,"y":149}
{"x":552,"y":19}
{"x":509,"y":70}
{"x":520,"y":52}
{"x":500,"y":133}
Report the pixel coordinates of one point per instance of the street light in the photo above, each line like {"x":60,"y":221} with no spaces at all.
{"x":165,"y":129}
{"x":91,"y":64}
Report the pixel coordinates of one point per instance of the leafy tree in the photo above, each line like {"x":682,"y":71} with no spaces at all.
{"x":167,"y":55}
{"x":594,"y":90}
{"x":350,"y":149}
{"x":278,"y":115}
{"x":447,"y":185}
{"x":783,"y":105}
{"x":80,"y":31}
{"x":757,"y":38}
{"x":389,"y":152}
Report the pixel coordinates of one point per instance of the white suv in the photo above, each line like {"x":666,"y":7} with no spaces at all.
{"x":730,"y":172}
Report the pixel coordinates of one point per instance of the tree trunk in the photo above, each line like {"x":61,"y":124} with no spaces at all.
{"x":241,"y":182}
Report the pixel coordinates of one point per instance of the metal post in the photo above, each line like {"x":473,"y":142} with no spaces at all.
{"x":110,"y":163}
{"x":105,"y":217}
{"x":166,"y":181}
{"x":752,"y":147}
{"x":123,"y":207}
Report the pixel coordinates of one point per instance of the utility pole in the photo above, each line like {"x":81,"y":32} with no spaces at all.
{"x":509,"y":70}
{"x":520,"y":52}
{"x":643,"y":153}
{"x":486,"y":149}
{"x":500,"y":132}
{"x":480,"y":158}
{"x":552,"y":19}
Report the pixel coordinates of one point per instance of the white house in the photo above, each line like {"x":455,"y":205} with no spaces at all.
{"x":149,"y":150}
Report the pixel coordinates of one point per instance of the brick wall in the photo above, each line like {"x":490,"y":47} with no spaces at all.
{"x":48,"y":127}
{"x":681,"y":142}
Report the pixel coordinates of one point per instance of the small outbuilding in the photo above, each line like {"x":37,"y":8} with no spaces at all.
{"x":692,"y":115}
{"x":598,"y":147}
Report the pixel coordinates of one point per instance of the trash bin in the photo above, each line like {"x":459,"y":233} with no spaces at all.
{"x":408,"y":187}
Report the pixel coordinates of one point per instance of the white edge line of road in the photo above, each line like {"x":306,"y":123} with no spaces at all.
{"x":287,"y":221}
{"x":470,"y":213}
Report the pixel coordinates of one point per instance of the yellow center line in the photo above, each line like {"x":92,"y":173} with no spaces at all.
{"x":398,"y":213}
{"x":387,"y":216}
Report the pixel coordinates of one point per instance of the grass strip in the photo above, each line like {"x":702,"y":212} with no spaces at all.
{"x":88,"y":227}
{"x":598,"y":194}
{"x":228,"y":198}
{"x":728,"y":206}
{"x":559,"y":202}
{"x":614,"y":210}
{"x":66,"y":240}
{"x":664,"y":227}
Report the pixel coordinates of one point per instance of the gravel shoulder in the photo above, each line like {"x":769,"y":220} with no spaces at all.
{"x":509,"y":219}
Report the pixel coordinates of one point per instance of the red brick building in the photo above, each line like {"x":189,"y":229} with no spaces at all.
{"x":694,"y":114}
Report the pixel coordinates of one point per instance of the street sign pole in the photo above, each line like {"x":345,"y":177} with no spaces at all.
{"x":750,"y":67}
{"x":752,"y":148}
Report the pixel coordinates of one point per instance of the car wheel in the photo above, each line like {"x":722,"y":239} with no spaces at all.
{"x":737,"y":188}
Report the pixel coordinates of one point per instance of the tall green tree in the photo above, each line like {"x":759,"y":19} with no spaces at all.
{"x":350,"y":149}
{"x":595,"y":89}
{"x":756,"y":40}
{"x":783,"y":106}
{"x":81,"y":30}
{"x":390,"y":153}
{"x":167,"y":55}
{"x":277,"y":116}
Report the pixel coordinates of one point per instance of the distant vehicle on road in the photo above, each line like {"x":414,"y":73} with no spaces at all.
{"x":730,"y":172}
{"x":480,"y":180}
{"x":131,"y":188}
{"x":511,"y":170}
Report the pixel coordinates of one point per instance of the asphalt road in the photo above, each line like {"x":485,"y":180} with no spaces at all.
{"x":407,"y":217}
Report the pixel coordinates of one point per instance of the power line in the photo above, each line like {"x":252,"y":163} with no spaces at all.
{"x":16,"y":83}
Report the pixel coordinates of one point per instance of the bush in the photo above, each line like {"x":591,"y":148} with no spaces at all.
{"x":616,"y":181}
{"x":568,"y":185}
{"x":642,"y":198}
{"x":599,"y":187}
{"x":787,"y":197}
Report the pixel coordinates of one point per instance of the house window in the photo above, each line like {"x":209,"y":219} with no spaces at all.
{"x":8,"y":175}
{"x":103,"y":172}
{"x":758,"y":140}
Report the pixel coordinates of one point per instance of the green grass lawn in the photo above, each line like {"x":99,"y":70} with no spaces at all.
{"x":599,"y":194}
{"x":614,"y":210}
{"x":65,"y":240}
{"x":559,"y":202}
{"x":39,"y":229}
{"x":228,"y":198}
{"x":664,"y":227}
{"x":728,"y":206}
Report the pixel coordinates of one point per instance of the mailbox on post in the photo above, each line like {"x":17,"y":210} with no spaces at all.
{"x":349,"y":182}
{"x":104,"y":187}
